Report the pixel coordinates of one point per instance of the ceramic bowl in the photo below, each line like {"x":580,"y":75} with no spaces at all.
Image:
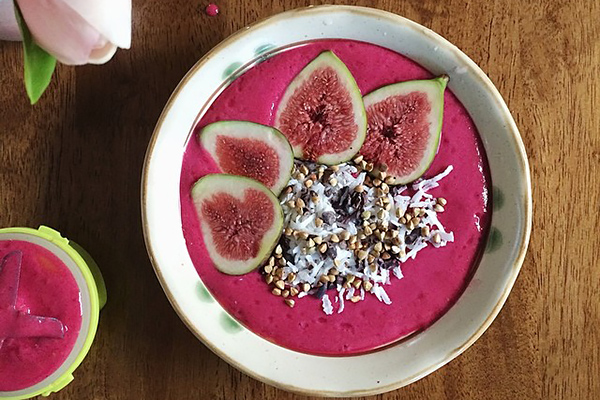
{"x":408,"y":360}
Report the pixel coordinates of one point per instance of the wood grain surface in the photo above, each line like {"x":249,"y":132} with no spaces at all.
{"x":74,"y":162}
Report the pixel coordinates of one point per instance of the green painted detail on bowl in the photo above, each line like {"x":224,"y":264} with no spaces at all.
{"x":230,"y":70}
{"x":263,"y":49}
{"x":494,"y":241}
{"x":204,"y":294}
{"x":229,"y":324}
{"x":498,"y":198}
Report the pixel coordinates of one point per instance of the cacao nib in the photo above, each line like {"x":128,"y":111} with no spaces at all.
{"x":412,"y":236}
{"x":358,"y":200}
{"x":305,"y":195}
{"x":387,"y":264}
{"x":331,"y":252}
{"x":284,"y":242}
{"x":391,"y":263}
{"x":328,"y":217}
{"x":341,"y":202}
{"x":320,"y":292}
{"x":326,"y":175}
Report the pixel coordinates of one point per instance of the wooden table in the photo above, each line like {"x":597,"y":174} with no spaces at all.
{"x":74,"y":162}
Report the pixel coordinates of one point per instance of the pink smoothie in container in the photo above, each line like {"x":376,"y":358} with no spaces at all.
{"x":431,"y":283}
{"x":40,"y":314}
{"x":51,"y":292}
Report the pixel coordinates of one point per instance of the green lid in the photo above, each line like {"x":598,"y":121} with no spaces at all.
{"x":97,"y":289}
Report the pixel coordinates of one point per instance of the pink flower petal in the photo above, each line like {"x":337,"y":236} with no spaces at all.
{"x":112,"y":18}
{"x":102,"y":54}
{"x":59,"y":30}
{"x":9,"y":30}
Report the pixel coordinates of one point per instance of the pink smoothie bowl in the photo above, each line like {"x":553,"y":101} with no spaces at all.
{"x":400,"y":363}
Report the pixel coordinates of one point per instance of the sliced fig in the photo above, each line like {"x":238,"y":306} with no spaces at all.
{"x":322,"y":112}
{"x":404,"y":127}
{"x":241,"y":221}
{"x":248,"y":149}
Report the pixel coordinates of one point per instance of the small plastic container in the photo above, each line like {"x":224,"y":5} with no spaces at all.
{"x":93,"y":298}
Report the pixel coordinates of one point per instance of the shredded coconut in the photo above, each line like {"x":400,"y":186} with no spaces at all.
{"x":338,"y":203}
{"x":327,"y":306}
{"x":341,"y":300}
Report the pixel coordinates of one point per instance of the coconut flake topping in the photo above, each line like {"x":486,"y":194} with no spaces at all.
{"x":347,"y":231}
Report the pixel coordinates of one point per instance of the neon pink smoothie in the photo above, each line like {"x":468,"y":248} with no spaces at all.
{"x":40,"y":314}
{"x":432,"y":282}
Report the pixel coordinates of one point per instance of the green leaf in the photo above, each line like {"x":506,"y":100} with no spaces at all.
{"x":38,"y":64}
